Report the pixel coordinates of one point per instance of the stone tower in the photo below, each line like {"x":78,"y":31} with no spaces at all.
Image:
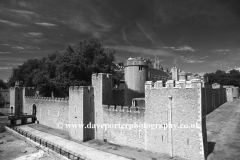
{"x":136,"y":70}
{"x":175,"y":73}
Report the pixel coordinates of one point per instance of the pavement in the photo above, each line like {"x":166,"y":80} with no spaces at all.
{"x":100,"y":150}
{"x":88,"y":152}
{"x":223,"y":130}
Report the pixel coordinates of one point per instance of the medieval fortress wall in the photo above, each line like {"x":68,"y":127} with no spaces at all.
{"x":49,"y":111}
{"x":177,"y":102}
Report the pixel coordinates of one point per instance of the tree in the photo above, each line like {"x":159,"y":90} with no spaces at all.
{"x":3,"y":85}
{"x":221,"y":77}
{"x":59,"y":70}
{"x":25,"y":73}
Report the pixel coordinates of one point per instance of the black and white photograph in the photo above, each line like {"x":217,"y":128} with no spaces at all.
{"x":119,"y":79}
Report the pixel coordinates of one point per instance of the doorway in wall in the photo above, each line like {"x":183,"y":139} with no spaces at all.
{"x":34,"y":109}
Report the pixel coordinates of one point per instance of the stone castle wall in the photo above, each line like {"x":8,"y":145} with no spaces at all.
{"x":164,"y":106}
{"x":176,"y":105}
{"x":49,"y":111}
{"x":124,"y":115}
{"x":16,"y":99}
{"x":118,"y":97}
{"x":185,"y":102}
{"x":213,"y":98}
{"x":135,"y":77}
{"x":81,"y":111}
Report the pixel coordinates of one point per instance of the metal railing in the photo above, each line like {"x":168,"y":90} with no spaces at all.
{"x":56,"y":148}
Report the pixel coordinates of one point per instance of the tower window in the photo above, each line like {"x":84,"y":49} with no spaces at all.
{"x":140,"y":68}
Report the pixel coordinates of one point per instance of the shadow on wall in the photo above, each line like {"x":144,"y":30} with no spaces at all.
{"x":118,"y":97}
{"x":130,"y":94}
{"x":211,"y":146}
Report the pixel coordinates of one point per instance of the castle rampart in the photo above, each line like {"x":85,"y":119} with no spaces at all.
{"x":52,"y":112}
{"x":81,"y":111}
{"x":174,"y":103}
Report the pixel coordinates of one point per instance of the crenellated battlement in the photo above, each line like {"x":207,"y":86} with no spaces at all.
{"x":129,"y":109}
{"x":194,"y":83}
{"x":80,"y":88}
{"x":101,"y":76}
{"x":30,"y":88}
{"x":48,"y":98}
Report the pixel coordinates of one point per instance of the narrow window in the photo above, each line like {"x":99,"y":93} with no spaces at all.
{"x":18,"y":96}
{"x":140,"y":68}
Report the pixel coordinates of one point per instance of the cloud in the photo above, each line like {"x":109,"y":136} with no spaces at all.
{"x":22,"y":3}
{"x":175,"y":61}
{"x":134,"y":49}
{"x":220,"y":63}
{"x":46,"y":24}
{"x":190,"y":59}
{"x":8,"y":59}
{"x":201,"y":73}
{"x":12,"y":23}
{"x":145,"y":32}
{"x":125,"y":37}
{"x":221,"y":51}
{"x":14,"y":64}
{"x":3,"y":68}
{"x":5,"y":53}
{"x":203,"y":12}
{"x":182,"y":48}
{"x":35,"y":34}
{"x":6,"y":44}
{"x":204,"y":57}
{"x":18,"y":47}
{"x":23,"y":13}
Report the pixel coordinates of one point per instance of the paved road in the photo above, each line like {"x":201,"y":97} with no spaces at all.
{"x":223,"y":128}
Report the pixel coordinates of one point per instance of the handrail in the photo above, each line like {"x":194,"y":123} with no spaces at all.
{"x":58,"y":149}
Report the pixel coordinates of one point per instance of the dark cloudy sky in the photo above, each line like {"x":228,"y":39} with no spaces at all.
{"x":196,"y":35}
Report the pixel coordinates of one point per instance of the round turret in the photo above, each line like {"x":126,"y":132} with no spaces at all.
{"x":136,"y":70}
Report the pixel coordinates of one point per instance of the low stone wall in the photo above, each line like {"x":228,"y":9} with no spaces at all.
{"x":3,"y":122}
{"x":5,"y":110}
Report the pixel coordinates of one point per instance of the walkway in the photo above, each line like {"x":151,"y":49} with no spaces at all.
{"x":223,"y":129}
{"x":85,"y":151}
